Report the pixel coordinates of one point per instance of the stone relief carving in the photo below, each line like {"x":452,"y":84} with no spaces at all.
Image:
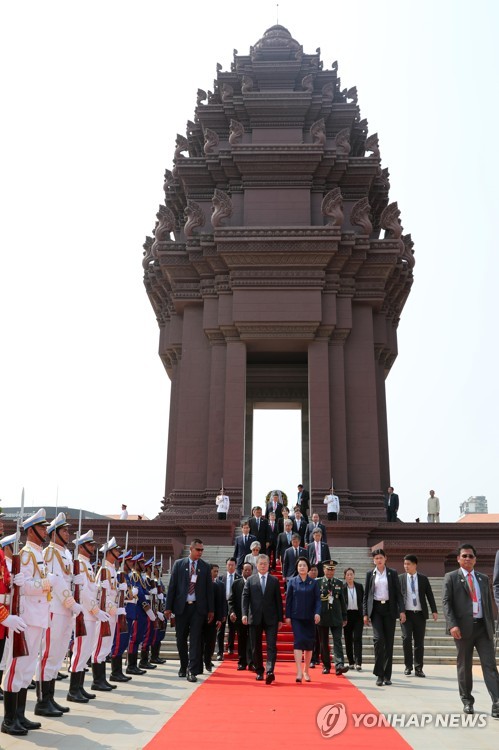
{"x":201,"y":97}
{"x":334,"y":66}
{"x":227,"y":92}
{"x":168,"y":180}
{"x":342,"y":142}
{"x":247,"y":84}
{"x":195,"y":218}
{"x":211,"y":140}
{"x":165,"y":224}
{"x":360,"y":216}
{"x":328,"y":92}
{"x":308,"y":83}
{"x":351,"y":94}
{"x":222,"y":208}
{"x":390,"y":222}
{"x":318,"y":132}
{"x":148,"y":256}
{"x":332,"y":207}
{"x":181,"y":144}
{"x":236,"y":132}
{"x":408,"y":253}
{"x":372,"y":145}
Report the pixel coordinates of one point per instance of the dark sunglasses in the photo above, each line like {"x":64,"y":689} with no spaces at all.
{"x":470,"y":556}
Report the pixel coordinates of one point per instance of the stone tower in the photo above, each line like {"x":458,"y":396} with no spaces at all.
{"x":278,"y":271}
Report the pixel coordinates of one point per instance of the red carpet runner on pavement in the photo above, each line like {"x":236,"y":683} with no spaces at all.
{"x":230,"y":709}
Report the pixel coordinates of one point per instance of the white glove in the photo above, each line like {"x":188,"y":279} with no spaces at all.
{"x":102,"y":616}
{"x":161,"y":616}
{"x":69,"y":603}
{"x":122,"y":586}
{"x":121,"y":611}
{"x":153,"y":591}
{"x":45,"y":585}
{"x":76,"y":608}
{"x":105,"y":585}
{"x":112,"y":611}
{"x":79,"y":580}
{"x":15,"y":623}
{"x":161,"y":597}
{"x":19,"y":579}
{"x":150,"y":614}
{"x":135,"y":591}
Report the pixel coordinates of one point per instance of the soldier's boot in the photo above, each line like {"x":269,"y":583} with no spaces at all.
{"x":74,"y":693}
{"x":64,"y":709}
{"x":10,"y":723}
{"x":132,"y":667}
{"x":99,"y":673}
{"x":44,"y":706}
{"x":144,"y":662}
{"x":155,"y":657}
{"x":90,"y":696}
{"x":117,"y":670}
{"x":21,"y":708}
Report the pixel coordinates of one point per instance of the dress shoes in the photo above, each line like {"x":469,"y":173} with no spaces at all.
{"x":230,"y":651}
{"x":379,"y":682}
{"x":191,"y":677}
{"x":298,"y":679}
{"x":358,"y":668}
{"x":209,"y":667}
{"x":407,"y":671}
{"x":312,"y":665}
{"x":269,"y":679}
{"x":419,"y":673}
{"x":341,"y":669}
{"x":241,"y":668}
{"x":468,"y":708}
{"x":495,"y":710}
{"x":259,"y":678}
{"x":326,"y":670}
{"x":388,"y":682}
{"x":220,"y":657}
{"x":351,"y":666}
{"x":182,"y":673}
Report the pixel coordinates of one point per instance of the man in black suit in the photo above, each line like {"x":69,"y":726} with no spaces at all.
{"x":303,"y":500}
{"x":417,"y":594}
{"x":227,"y":579}
{"x":259,"y":527}
{"x":382,"y":604}
{"x":191,"y":599}
{"x":495,"y":580}
{"x":284,"y":540}
{"x":391,"y":505}
{"x":210,"y":629}
{"x":315,"y":523}
{"x":273,"y":536}
{"x":242,"y":546}
{"x":236,"y":618}
{"x":299,"y":525}
{"x":468,"y":613}
{"x":262,"y":611}
{"x":318,"y":552}
{"x":274,"y":506}
{"x":291,"y":556}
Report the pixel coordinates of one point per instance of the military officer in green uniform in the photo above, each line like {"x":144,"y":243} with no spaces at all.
{"x":334,"y":616}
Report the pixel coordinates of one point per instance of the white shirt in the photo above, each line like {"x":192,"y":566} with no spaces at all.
{"x":222,"y":503}
{"x":380,"y":586}
{"x":124,"y":515}
{"x":410,"y":595}
{"x":333,"y":503}
{"x":352,"y":598}
{"x":465,"y":573}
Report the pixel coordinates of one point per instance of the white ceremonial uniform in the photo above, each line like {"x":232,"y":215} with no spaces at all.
{"x":56,"y":639}
{"x":332,"y":503}
{"x":222,"y":503}
{"x":89,"y":599}
{"x":103,"y":645}
{"x":34,"y":609}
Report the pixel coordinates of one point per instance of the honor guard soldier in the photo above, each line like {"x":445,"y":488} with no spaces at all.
{"x":333,"y":616}
{"x":107,"y":581}
{"x":35,"y":596}
{"x":122,"y":634}
{"x":93,"y":616}
{"x":7,"y":545}
{"x":145,"y":614}
{"x":161,"y":631}
{"x":153,"y":625}
{"x":133,"y":603}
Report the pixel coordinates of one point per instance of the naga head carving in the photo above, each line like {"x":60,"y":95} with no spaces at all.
{"x":222,"y":208}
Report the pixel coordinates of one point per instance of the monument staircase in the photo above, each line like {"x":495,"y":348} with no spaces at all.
{"x":439,"y":647}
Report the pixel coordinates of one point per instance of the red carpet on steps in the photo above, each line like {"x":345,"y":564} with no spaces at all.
{"x":230,"y":709}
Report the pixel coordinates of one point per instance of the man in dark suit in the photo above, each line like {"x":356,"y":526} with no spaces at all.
{"x":417,"y":594}
{"x":291,"y":556}
{"x":391,"y":504}
{"x":284,"y":540}
{"x":495,"y":580}
{"x":299,"y":525}
{"x":273,"y":536}
{"x":262,"y":611}
{"x":191,"y":599}
{"x":303,"y":500}
{"x":259,"y":527}
{"x":274,"y":506}
{"x":468,"y":613}
{"x":236,"y":618}
{"x":315,"y":523}
{"x":210,"y":629}
{"x":382,"y":604}
{"x":228,"y":579}
{"x":318,"y":551}
{"x":242,"y":546}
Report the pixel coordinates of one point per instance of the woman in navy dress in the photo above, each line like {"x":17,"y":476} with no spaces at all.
{"x":303,"y":608}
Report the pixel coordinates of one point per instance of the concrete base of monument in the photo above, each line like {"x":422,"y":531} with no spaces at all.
{"x":425,"y":712}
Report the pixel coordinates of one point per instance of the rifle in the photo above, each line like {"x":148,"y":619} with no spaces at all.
{"x":105,"y":628}
{"x":19,"y":646}
{"x":122,"y":625}
{"x":80,"y":628}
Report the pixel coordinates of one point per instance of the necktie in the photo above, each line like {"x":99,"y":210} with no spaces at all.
{"x":263,"y":584}
{"x":289,"y":538}
{"x":258,"y":524}
{"x":471,"y":584}
{"x":231,"y":575}
{"x":245,"y":539}
{"x":317,"y":552}
{"x":413,"y":589}
{"x":272,"y":526}
{"x":296,"y":552}
{"x":192,"y":585}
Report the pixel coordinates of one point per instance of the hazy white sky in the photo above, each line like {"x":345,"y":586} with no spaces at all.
{"x":93,"y":95}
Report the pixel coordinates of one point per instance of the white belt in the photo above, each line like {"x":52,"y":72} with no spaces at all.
{"x":4,"y":598}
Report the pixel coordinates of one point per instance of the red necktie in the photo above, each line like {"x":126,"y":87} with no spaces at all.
{"x":192,"y":584}
{"x":472,"y":588}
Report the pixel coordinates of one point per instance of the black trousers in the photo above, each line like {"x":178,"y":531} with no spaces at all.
{"x":413,"y":629}
{"x":391,"y":515}
{"x":222,"y":516}
{"x":353,"y":636}
{"x":485,"y":649}
{"x":383,"y":624}
{"x":256,"y":633}
{"x":189,"y":627}
{"x":244,"y":656}
{"x":221,"y":637}
{"x":209,"y":640}
{"x":332,"y":516}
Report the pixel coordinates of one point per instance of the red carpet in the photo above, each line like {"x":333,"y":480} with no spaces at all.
{"x":230,"y":709}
